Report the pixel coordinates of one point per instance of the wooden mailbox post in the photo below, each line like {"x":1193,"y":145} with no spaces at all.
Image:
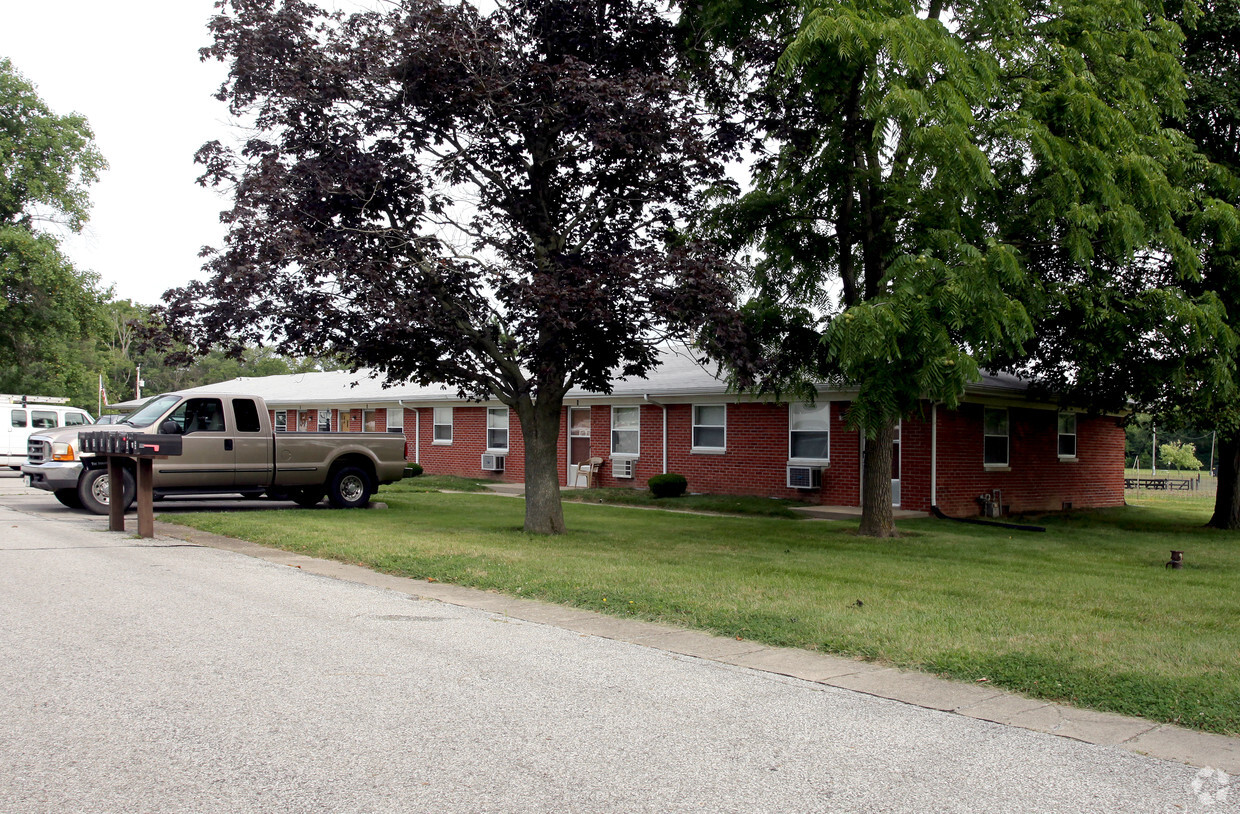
{"x":144,"y":448}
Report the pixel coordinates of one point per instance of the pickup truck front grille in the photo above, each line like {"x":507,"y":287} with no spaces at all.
{"x":37,"y":451}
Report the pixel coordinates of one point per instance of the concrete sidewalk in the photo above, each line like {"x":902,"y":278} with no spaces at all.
{"x":971,"y":700}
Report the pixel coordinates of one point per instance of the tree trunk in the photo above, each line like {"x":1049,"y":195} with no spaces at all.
{"x":540,"y":424}
{"x":877,"y":519}
{"x":1227,"y":500}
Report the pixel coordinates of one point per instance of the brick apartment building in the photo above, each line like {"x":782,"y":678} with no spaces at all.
{"x":1024,"y":454}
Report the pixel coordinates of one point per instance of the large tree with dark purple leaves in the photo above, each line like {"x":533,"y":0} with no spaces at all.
{"x":495,"y":201}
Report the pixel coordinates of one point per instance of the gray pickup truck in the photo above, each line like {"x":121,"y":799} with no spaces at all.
{"x":228,"y":446}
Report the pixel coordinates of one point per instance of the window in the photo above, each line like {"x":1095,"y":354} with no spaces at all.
{"x":200,"y":415}
{"x":325,"y":420}
{"x":626,"y":423}
{"x":442,"y":430}
{"x":995,"y":429}
{"x":396,"y":420}
{"x":153,"y":409}
{"x":246,"y":413}
{"x":19,"y":418}
{"x":369,"y":421}
{"x":1067,"y":435}
{"x":710,"y":426}
{"x":76,"y":419}
{"x":497,"y":428}
{"x":809,"y":432}
{"x":42,"y":419}
{"x":281,"y":421}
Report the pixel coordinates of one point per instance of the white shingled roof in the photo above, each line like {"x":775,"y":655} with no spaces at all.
{"x":678,"y":377}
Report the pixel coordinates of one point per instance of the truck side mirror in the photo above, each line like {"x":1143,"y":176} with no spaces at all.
{"x":169,"y":427}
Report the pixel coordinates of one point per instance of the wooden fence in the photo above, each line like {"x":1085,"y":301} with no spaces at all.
{"x":1165,"y":484}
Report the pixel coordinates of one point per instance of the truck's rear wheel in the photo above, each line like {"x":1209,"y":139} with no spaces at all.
{"x":69,"y":497}
{"x":93,"y":490}
{"x":349,"y":488}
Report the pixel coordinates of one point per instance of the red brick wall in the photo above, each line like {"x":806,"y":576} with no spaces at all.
{"x":1037,"y":479}
{"x":463,"y":456}
{"x":650,"y":457}
{"x":755,"y":460}
{"x":841,"y":482}
{"x":915,"y":444}
{"x":756,"y":455}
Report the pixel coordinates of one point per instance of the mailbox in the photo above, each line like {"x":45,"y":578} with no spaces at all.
{"x":157,"y":444}
{"x":141,"y":446}
{"x":133,"y":445}
{"x":105,"y":443}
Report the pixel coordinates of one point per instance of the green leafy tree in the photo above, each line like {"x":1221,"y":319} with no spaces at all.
{"x":1179,"y":455}
{"x":1161,"y":329}
{"x":47,"y":307}
{"x":1140,"y":434}
{"x":132,"y":337}
{"x":490,"y":198}
{"x":1212,"y":62}
{"x":918,"y":159}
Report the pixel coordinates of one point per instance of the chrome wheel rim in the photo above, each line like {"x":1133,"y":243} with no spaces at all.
{"x":99,"y":490}
{"x":352,"y":487}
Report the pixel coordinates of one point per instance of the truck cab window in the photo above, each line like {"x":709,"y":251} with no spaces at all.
{"x":246,"y":412}
{"x":199,"y":415}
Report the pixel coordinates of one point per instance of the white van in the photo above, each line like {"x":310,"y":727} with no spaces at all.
{"x":22,"y":415}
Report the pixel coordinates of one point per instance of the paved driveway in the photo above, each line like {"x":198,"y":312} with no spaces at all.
{"x":164,"y":676}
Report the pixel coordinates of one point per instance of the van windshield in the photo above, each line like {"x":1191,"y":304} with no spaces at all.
{"x":150,"y":412}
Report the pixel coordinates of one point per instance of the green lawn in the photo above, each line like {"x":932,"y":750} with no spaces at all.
{"x":724,"y":504}
{"x":1084,"y":613}
{"x":434,"y":483}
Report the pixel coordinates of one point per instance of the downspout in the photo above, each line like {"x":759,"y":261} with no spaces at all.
{"x":663,"y":407}
{"x":417,"y":431}
{"x":934,"y":455}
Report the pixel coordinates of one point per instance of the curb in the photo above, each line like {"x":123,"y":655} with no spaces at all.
{"x":1138,"y":735}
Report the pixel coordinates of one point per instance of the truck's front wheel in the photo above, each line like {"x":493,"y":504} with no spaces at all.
{"x":94,"y":493}
{"x":69,"y":497}
{"x":349,"y":488}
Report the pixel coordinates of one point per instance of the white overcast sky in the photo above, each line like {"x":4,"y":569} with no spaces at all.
{"x":132,"y":68}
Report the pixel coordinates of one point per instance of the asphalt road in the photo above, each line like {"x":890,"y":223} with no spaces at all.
{"x":157,"y":676}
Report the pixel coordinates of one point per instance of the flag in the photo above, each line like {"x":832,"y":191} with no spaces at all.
{"x":103,"y":391}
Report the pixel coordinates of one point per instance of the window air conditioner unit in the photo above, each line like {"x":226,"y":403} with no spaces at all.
{"x":493,"y":463}
{"x":623,"y":467}
{"x":804,"y":477}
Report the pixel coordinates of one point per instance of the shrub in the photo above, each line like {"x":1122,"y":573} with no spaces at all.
{"x":669,"y":485}
{"x":413,"y":470}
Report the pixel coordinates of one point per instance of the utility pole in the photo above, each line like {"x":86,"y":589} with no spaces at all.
{"x":137,"y":385}
{"x":1154,"y":451}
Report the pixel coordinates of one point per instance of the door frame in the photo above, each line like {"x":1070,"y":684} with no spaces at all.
{"x":895,"y":482}
{"x":897,"y":457}
{"x":568,"y":444}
